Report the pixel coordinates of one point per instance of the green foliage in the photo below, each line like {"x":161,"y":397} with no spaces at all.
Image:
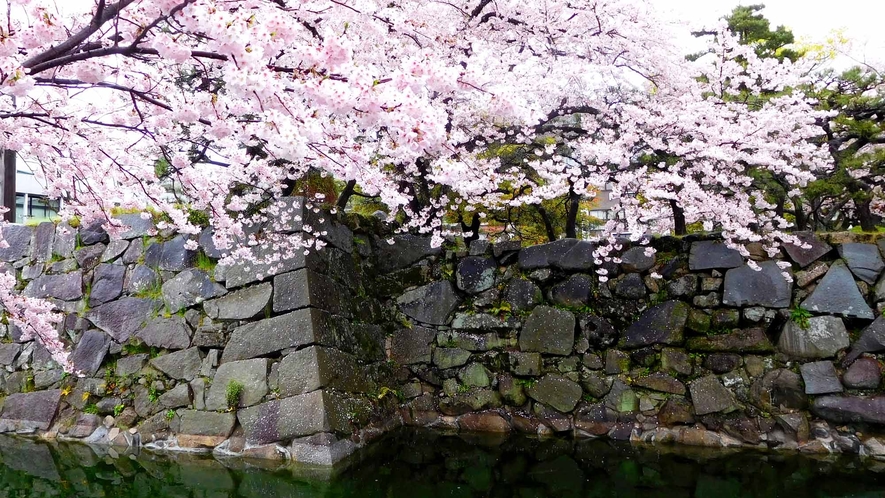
{"x":500,"y":309}
{"x":91,"y":409}
{"x":170,"y":414}
{"x":800,"y":317}
{"x":118,"y":409}
{"x":206,"y":263}
{"x":153,"y":395}
{"x":527,"y":383}
{"x":234,"y":390}
{"x":155,"y":291}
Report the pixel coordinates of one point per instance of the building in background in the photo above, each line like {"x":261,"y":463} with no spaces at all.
{"x":31,"y":203}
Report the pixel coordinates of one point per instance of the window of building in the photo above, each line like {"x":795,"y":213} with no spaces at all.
{"x":31,"y":208}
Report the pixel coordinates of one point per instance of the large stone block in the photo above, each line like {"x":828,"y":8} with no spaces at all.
{"x":820,"y":377}
{"x":557,"y":392}
{"x":574,"y":292}
{"x":181,"y":365}
{"x":188,"y":288}
{"x":107,"y":283}
{"x":432,"y":303}
{"x":635,"y":260}
{"x":565,"y":254}
{"x":863,"y":260}
{"x":201,"y":423}
{"x":292,"y":330}
{"x":805,"y":256}
{"x":90,"y":351}
{"x":837,"y":293}
{"x":251,"y":374}
{"x":241,"y":274}
{"x":405,"y":250}
{"x":823,"y":338}
{"x":174,"y":256}
{"x":318,"y":367}
{"x":19,"y":239}
{"x":662,"y":324}
{"x":166,"y":333}
{"x":303,"y":288}
{"x":123,"y":317}
{"x":766,"y":287}
{"x":27,"y":412}
{"x":739,"y":341}
{"x":548,"y":330}
{"x":475,"y":274}
{"x":41,"y":244}
{"x":523,"y":295}
{"x":872,"y":340}
{"x":409,"y":346}
{"x":710,"y":396}
{"x":137,"y":225}
{"x":65,"y":241}
{"x":67,"y":286}
{"x":240,"y":304}
{"x":850,"y":409}
{"x":709,"y":255}
{"x":303,"y":415}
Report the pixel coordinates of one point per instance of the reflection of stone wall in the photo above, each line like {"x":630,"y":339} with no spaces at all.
{"x":338,"y":346}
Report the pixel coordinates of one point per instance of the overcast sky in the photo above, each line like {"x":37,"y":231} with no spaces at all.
{"x":810,"y":20}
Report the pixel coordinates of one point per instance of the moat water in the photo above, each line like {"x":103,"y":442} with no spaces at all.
{"x":417,"y":464}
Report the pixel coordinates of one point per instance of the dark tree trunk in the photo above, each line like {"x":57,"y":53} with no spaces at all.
{"x":545,"y":218}
{"x":799,"y":214}
{"x":472,"y":228}
{"x":571,"y":220}
{"x":678,"y":218}
{"x":346,"y":194}
{"x":866,"y":217}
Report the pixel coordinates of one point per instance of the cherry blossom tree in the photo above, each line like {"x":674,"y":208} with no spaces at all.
{"x":401,"y":100}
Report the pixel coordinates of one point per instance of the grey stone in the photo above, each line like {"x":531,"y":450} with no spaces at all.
{"x":131,"y":365}
{"x":90,"y":352}
{"x":837,"y":293}
{"x":634,"y":260}
{"x":114,"y":249}
{"x":432,"y":303}
{"x":142,"y":279}
{"x":850,"y":409}
{"x":93,"y":233}
{"x":483,"y":322}
{"x":176,"y":397}
{"x":824,"y":337}
{"x":27,"y":412}
{"x":304,"y":451}
{"x":864,"y":373}
{"x":318,"y":367}
{"x":9,"y":352}
{"x":31,"y":272}
{"x":662,"y":324}
{"x":738,"y":341}
{"x":820,"y":378}
{"x":479,"y":247}
{"x":523,"y":295}
{"x":240,"y":304}
{"x":188,"y":288}
{"x":251,"y":374}
{"x":710,"y":396}
{"x":137,"y":226}
{"x":708,"y":255}
{"x":123,"y":317}
{"x":85,"y":425}
{"x":134,"y":253}
{"x":181,"y":365}
{"x":405,"y":251}
{"x":525,"y":364}
{"x":574,"y":292}
{"x":767,"y":287}
{"x":630,"y":287}
{"x":107,"y":283}
{"x":67,"y":286}
{"x":208,"y":245}
{"x":863,"y":260}
{"x":557,"y":392}
{"x":65,"y":241}
{"x":88,"y":257}
{"x":720,"y":363}
{"x":475,"y":375}
{"x":292,"y":330}
{"x":174,"y":256}
{"x":872,"y":340}
{"x":167,"y":333}
{"x":238,"y":276}
{"x":450,"y":357}
{"x":200,"y":423}
{"x":621,"y":398}
{"x":778,"y":391}
{"x":565,"y":254}
{"x":41,"y":244}
{"x":684,"y":286}
{"x":548,"y":330}
{"x":302,"y":415}
{"x":475,"y":274}
{"x":597,"y":331}
{"x":409,"y":346}
{"x":804,"y":257}
{"x":659,"y":381}
{"x":19,"y":239}
{"x":303,"y":288}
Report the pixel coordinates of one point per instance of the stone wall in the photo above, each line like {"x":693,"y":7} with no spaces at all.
{"x":321,"y":353}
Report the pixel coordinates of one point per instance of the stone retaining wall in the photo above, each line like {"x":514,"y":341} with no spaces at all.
{"x":323,"y":352}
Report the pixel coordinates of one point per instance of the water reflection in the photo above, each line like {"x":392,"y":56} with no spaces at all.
{"x":419,"y":464}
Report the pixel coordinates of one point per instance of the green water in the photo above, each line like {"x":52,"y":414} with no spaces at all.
{"x":423,"y":464}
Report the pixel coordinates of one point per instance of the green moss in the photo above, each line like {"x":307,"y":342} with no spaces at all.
{"x":234,"y":390}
